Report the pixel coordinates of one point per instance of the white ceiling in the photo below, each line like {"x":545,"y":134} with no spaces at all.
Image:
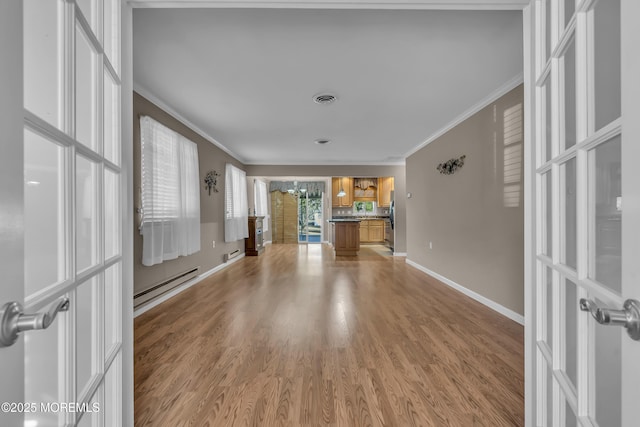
{"x":246,"y":77}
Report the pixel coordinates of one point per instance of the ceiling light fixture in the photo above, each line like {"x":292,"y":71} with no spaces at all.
{"x":341,"y":193}
{"x":322,"y":141}
{"x":324,"y":98}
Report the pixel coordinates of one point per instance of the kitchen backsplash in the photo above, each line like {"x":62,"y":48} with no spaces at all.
{"x":345,"y":211}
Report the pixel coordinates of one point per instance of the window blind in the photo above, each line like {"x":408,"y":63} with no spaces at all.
{"x":170,"y":224}
{"x":260,"y":200}
{"x":236,"y":225}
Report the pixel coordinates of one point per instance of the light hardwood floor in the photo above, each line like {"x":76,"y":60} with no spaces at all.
{"x":296,"y":337}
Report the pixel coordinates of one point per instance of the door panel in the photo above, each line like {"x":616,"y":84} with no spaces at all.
{"x":73,"y":216}
{"x":580,"y":218}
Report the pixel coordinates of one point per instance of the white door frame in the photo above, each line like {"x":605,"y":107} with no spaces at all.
{"x":11,"y":196}
{"x":631,"y":212}
{"x":529,"y":148}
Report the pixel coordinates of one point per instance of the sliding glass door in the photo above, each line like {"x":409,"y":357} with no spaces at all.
{"x":310,"y":218}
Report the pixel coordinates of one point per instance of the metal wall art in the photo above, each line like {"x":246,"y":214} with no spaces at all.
{"x":211,"y":179}
{"x":451,"y":166}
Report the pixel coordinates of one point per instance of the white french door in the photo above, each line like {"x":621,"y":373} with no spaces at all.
{"x":586,"y":198}
{"x":72,"y":178}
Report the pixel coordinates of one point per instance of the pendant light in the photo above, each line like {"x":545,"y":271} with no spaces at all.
{"x":341,"y":193}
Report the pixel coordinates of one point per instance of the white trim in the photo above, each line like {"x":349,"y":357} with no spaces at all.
{"x":337,"y":4}
{"x":186,"y":285}
{"x":400,"y":254}
{"x":530,"y":331}
{"x":468,"y":292}
{"x":164,"y":106}
{"x":492,"y":97}
{"x":266,"y":242}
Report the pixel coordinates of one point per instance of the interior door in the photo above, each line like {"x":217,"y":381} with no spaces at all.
{"x":66,"y":161}
{"x":587,"y":213}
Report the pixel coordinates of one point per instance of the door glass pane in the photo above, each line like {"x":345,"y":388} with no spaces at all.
{"x":85,"y":91}
{"x":549,"y":307}
{"x":549,"y":47}
{"x":111,"y":215}
{"x":86,"y":344}
{"x":549,"y":396}
{"x":112,"y":397}
{"x":303,"y":228}
{"x":111,"y":123}
{"x":548,"y":119}
{"x":87,"y":7}
{"x":605,"y":205}
{"x":44,"y":368}
{"x":41,"y":59}
{"x":570,"y":416}
{"x":44,"y":234}
{"x":571,"y":331}
{"x":91,"y":417}
{"x":86,"y":213}
{"x":570,"y":96}
{"x":607,"y":374}
{"x":606,"y":59}
{"x":568,"y":176}
{"x":112,"y":307}
{"x":546,"y":219}
{"x":569,"y":9}
{"x":110,"y":29}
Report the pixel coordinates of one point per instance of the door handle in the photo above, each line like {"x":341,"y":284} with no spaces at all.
{"x":13,"y":320}
{"x":629,"y":316}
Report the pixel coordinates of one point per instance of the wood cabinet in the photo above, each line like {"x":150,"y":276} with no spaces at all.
{"x":254,"y":244}
{"x":346,"y":240}
{"x":385,"y":187}
{"x":346,"y":183}
{"x":372,"y":231}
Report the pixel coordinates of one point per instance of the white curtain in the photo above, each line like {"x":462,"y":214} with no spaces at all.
{"x":170,"y":194}
{"x":260,"y":199}
{"x":236,"y":226}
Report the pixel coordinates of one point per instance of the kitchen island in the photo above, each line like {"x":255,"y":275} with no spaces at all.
{"x":345,"y":236}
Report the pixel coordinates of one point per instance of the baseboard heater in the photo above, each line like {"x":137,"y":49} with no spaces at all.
{"x":231,"y":255}
{"x":161,"y":288}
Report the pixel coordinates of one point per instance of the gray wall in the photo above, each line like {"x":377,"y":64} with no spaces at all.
{"x":477,"y":238}
{"x":211,"y":207}
{"x":398,"y":172}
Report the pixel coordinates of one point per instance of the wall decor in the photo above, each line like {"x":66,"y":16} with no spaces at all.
{"x":451,"y":166}
{"x":211,"y":180}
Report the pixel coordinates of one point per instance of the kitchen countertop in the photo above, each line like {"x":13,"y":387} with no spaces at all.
{"x":364,"y":217}
{"x":344,"y":220}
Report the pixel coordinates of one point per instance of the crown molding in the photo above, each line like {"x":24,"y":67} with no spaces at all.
{"x":337,"y":4}
{"x":165,"y":106}
{"x":487,"y":100}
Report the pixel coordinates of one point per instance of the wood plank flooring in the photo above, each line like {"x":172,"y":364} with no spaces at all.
{"x":298,"y":337}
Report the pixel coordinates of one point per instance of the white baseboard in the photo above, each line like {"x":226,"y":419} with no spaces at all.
{"x":399,"y":254}
{"x":267,"y":242}
{"x":186,"y":285}
{"x":476,"y":296}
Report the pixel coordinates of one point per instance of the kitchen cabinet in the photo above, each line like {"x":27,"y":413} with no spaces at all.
{"x":346,"y":183}
{"x":385,"y":187}
{"x":372,"y":231}
{"x":345,"y":237}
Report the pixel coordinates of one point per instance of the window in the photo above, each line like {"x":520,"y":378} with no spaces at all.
{"x":236,"y":225}
{"x":260,"y":200}
{"x":170,"y":224}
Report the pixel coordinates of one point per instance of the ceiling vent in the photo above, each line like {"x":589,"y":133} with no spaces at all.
{"x":322,"y":141}
{"x":324,"y":98}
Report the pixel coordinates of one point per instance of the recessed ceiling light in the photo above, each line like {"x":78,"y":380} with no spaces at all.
{"x":324,"y":98}
{"x":322,"y":141}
